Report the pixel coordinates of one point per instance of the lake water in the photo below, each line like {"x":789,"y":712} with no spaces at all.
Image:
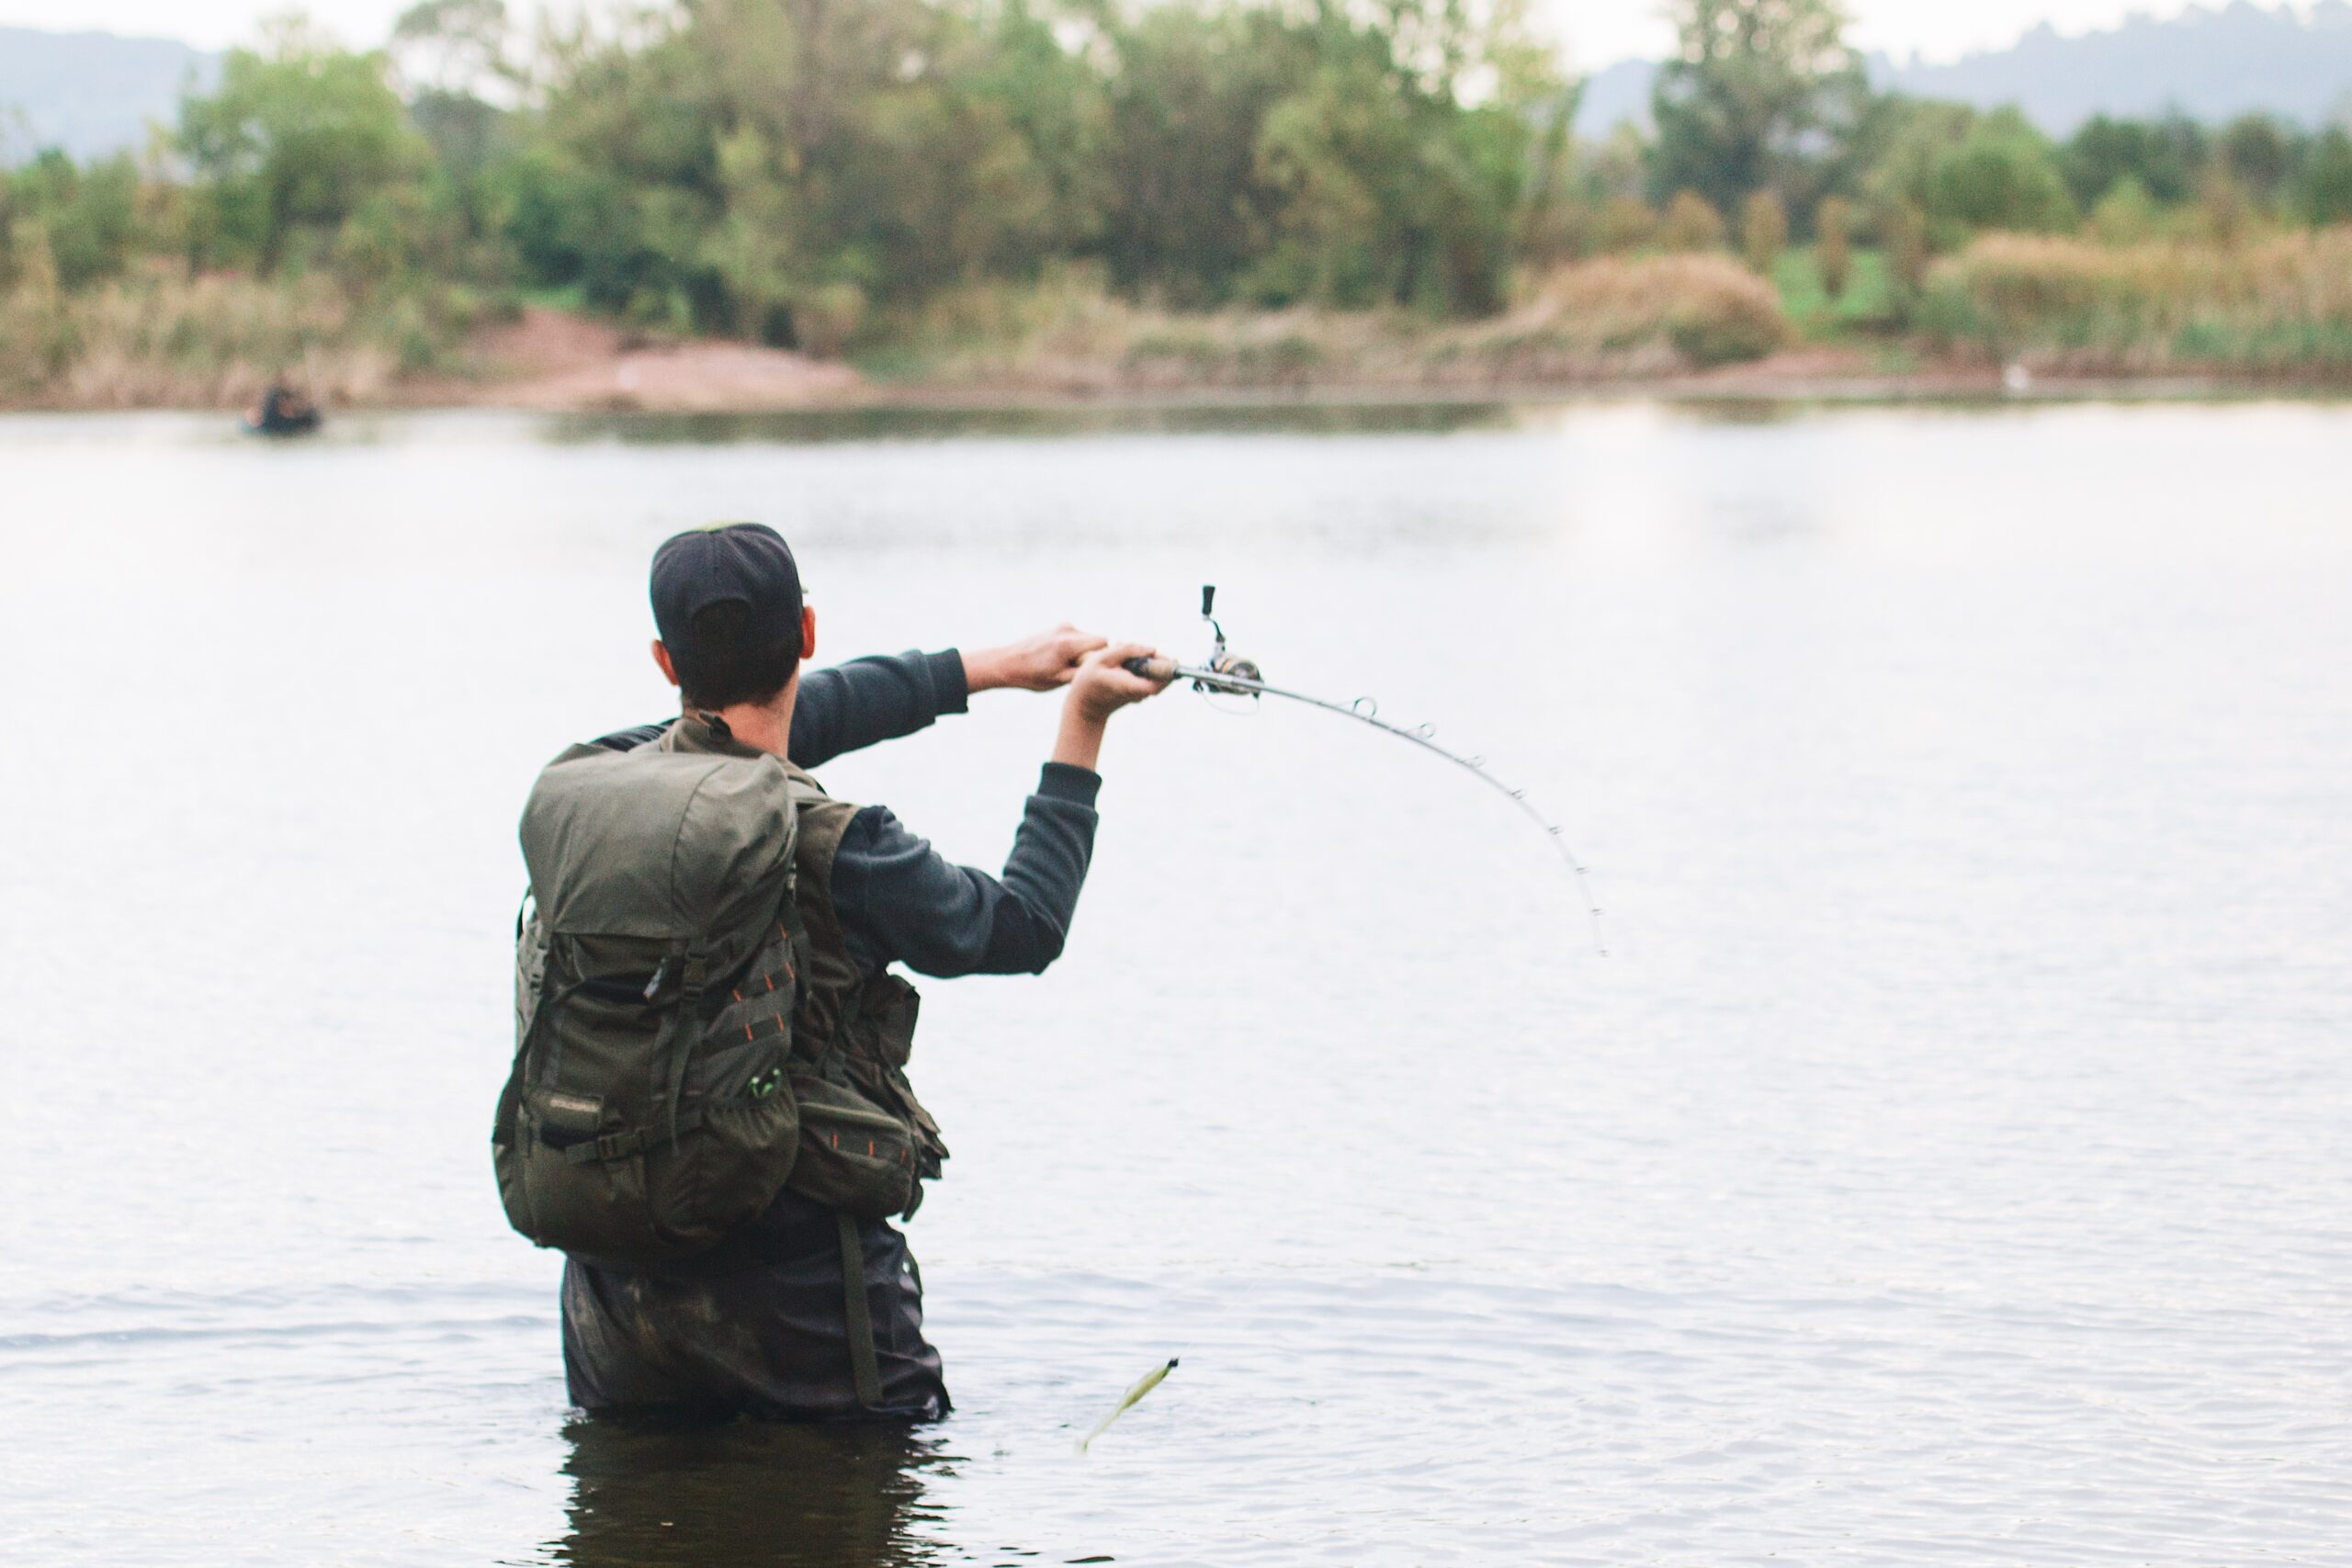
{"x":1948,"y":1164}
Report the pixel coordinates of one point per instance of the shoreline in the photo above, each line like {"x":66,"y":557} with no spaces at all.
{"x":956,"y":398}
{"x":552,"y":362}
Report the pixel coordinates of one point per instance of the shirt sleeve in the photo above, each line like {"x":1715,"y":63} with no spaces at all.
{"x":868,"y":700}
{"x":900,"y":901}
{"x":853,"y":705}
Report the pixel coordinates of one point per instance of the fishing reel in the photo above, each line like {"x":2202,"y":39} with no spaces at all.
{"x":1220,"y":661}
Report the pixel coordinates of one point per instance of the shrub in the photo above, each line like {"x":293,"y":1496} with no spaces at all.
{"x":1710,"y":309}
{"x":1691,"y":224}
{"x":1833,"y":238}
{"x":1763,"y":231}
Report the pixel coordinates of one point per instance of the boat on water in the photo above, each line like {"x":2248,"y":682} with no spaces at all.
{"x":282,"y":412}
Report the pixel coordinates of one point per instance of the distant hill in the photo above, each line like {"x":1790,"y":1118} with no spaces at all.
{"x":91,"y":94}
{"x":2214,"y":63}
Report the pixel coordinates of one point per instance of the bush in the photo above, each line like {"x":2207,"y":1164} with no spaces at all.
{"x":1691,"y":224}
{"x":1763,"y":231}
{"x":1833,"y":235}
{"x":1710,"y":309}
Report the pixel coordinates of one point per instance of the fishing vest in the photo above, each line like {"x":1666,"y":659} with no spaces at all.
{"x":692,"y":1034}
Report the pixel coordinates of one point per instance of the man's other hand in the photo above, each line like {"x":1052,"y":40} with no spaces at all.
{"x":1039,"y":663}
{"x":1105,"y":685}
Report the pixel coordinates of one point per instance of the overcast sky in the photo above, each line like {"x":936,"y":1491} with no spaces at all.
{"x":1597,"y":31}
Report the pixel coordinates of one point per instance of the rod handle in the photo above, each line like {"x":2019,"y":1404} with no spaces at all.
{"x":1152,"y":668}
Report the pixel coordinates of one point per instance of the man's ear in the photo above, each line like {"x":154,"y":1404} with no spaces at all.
{"x":661,"y":657}
{"x":808,"y":632}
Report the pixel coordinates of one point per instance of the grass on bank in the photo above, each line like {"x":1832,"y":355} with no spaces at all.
{"x":1868,"y":303}
{"x":2278,"y":307}
{"x":1613,"y":317}
{"x":159,"y":338}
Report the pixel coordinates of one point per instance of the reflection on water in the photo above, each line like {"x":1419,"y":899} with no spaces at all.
{"x":801,"y":426}
{"x":650,"y":1493}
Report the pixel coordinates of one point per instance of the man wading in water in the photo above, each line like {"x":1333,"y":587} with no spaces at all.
{"x":709,"y":1111}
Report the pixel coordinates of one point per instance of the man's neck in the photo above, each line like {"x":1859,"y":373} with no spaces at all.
{"x":764,"y":727}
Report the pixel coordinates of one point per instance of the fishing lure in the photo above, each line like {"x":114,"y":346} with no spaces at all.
{"x":1144,"y":1385}
{"x":1228,"y":672}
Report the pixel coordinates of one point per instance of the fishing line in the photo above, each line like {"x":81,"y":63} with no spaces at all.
{"x":1225,"y":672}
{"x":1228,"y":674}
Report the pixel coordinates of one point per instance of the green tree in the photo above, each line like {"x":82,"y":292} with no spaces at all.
{"x":2165,"y":155}
{"x":88,"y":217}
{"x":1189,"y":91}
{"x":1390,"y":184}
{"x":2002,"y":174}
{"x":297,"y":137}
{"x":2126,"y":214}
{"x":2324,"y":190}
{"x":1760,"y":93}
{"x":2259,"y":154}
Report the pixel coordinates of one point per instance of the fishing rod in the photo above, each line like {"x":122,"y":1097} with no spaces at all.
{"x":1228,"y":672}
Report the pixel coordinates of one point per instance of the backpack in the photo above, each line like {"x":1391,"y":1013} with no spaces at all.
{"x":649,"y":1112}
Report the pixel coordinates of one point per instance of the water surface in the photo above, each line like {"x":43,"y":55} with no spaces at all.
{"x":1948,"y":1166}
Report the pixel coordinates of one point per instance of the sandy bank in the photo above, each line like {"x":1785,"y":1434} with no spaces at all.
{"x":552,"y":362}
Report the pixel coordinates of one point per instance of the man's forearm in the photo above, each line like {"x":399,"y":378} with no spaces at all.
{"x":1078,"y":743}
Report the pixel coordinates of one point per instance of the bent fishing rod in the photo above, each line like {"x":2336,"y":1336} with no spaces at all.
{"x":1230,"y":673}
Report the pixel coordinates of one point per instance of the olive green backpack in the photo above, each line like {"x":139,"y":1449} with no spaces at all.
{"x":649,"y":1112}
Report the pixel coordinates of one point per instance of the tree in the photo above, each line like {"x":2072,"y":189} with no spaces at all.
{"x":2325,"y":191}
{"x":88,"y":216}
{"x":2002,"y":174}
{"x":2126,"y":214}
{"x":296,"y":139}
{"x":1761,"y":93}
{"x":1189,"y":91}
{"x":2259,"y":154}
{"x":2165,"y":155}
{"x":454,"y":47}
{"x":1389,"y":184}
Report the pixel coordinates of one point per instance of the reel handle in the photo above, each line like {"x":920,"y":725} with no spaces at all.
{"x":1151,"y":669}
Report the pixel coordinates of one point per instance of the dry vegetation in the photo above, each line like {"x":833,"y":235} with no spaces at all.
{"x":1610,"y":318}
{"x":2274,"y":307}
{"x":154,"y":338}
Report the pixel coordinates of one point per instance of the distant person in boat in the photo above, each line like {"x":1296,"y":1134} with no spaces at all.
{"x":283,"y":411}
{"x":709,"y":1110}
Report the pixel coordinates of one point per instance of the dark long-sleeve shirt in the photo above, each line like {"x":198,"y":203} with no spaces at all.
{"x":899,"y":900}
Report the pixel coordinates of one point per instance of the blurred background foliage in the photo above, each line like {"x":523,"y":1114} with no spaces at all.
{"x":872,"y":177}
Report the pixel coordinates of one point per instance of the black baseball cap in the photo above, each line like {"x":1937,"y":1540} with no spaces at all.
{"x":747,"y":562}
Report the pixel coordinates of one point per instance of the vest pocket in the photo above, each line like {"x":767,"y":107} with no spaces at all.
{"x":596,"y":1208}
{"x":854,"y":1157}
{"x":728,"y":1168}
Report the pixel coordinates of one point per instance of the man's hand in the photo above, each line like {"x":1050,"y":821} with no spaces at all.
{"x":1101,"y":687}
{"x":1033,"y":664}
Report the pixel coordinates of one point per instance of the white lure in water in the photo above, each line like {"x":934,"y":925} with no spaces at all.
{"x":1149,"y":1381}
